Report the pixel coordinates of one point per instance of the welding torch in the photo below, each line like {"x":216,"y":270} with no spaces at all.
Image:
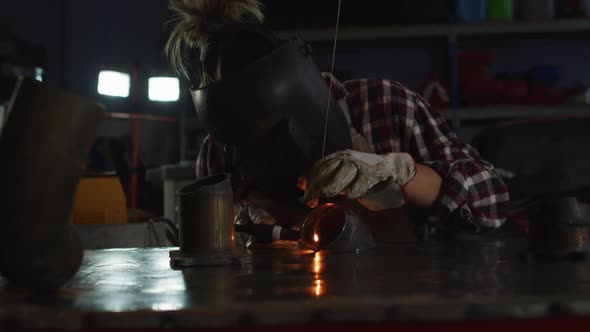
{"x":267,"y":234}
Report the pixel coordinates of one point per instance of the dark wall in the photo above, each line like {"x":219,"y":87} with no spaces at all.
{"x":126,"y":34}
{"x":82,"y":37}
{"x":131,"y":33}
{"x":39,"y":22}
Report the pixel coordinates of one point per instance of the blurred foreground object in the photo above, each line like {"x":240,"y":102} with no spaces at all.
{"x":545,"y":167}
{"x":43,"y":145}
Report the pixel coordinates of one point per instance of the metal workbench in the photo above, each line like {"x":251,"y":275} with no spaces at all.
{"x":286,"y":285}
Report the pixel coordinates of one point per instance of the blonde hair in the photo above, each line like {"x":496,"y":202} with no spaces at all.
{"x":196,"y":20}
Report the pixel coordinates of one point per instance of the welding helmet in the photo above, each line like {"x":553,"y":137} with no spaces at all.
{"x":272,"y":117}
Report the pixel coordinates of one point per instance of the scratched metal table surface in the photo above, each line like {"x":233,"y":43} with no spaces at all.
{"x":286,"y":285}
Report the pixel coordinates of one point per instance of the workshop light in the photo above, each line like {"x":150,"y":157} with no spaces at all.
{"x":163,"y":89}
{"x":39,"y":74}
{"x":113,"y":83}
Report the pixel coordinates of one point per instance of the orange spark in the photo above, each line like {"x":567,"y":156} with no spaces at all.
{"x":317,"y":263}
{"x":318,"y":288}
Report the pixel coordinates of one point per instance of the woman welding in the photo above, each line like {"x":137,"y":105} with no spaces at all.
{"x":289,"y":133}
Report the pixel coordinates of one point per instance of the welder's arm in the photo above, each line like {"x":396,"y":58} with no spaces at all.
{"x":425,"y":188}
{"x":376,"y":181}
{"x":472,"y":196}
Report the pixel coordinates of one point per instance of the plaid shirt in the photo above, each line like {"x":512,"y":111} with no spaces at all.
{"x":394,"y":119}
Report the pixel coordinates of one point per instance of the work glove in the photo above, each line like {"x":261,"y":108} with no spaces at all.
{"x":248,"y":214}
{"x":376,"y":181}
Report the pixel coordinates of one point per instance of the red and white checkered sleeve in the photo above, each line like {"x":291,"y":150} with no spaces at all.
{"x":472,"y":192}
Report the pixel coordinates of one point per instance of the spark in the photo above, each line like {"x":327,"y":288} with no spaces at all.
{"x":317,"y":263}
{"x":318,"y":287}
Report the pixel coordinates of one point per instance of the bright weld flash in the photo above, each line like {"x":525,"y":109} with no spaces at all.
{"x":317,"y":263}
{"x":318,"y":288}
{"x":316,"y":238}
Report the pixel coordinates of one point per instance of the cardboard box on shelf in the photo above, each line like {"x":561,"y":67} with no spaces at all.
{"x":100,"y":200}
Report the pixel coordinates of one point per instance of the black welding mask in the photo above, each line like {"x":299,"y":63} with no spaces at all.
{"x":272,"y":117}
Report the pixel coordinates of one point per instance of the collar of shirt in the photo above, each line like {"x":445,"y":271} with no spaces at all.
{"x":338,"y":89}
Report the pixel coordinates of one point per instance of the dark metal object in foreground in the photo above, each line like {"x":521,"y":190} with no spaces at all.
{"x":206,"y":212}
{"x":546,"y":171}
{"x":43,"y":146}
{"x":559,"y":228}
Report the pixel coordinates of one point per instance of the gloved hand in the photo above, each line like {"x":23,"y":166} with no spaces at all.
{"x":247,"y":214}
{"x":376,"y":180}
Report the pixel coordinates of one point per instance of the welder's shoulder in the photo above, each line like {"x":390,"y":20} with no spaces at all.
{"x":382,"y":87}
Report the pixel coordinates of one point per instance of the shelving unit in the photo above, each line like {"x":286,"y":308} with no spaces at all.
{"x":453,"y":34}
{"x":515,"y":112}
{"x":440,"y":30}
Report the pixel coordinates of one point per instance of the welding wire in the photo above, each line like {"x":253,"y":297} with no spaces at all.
{"x":331,"y":73}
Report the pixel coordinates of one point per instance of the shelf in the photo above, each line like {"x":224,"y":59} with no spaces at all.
{"x":402,"y":31}
{"x":146,"y":117}
{"x":522,"y":27}
{"x":516,"y":112}
{"x":368,"y":33}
